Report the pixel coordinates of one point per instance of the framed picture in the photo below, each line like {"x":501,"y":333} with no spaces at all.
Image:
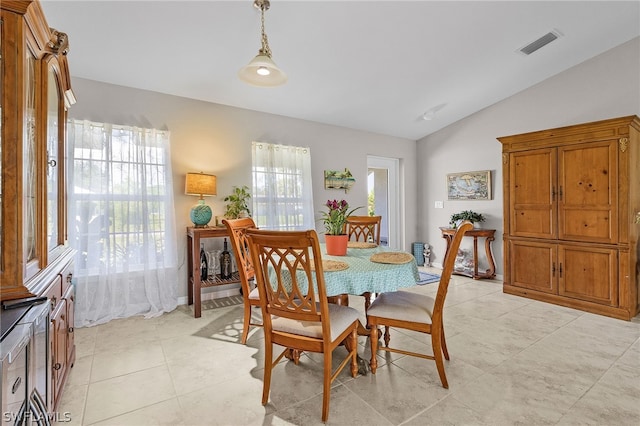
{"x":469,"y":185}
{"x":336,"y":179}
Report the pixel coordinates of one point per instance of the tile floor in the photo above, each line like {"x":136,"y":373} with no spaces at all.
{"x":513,"y":361}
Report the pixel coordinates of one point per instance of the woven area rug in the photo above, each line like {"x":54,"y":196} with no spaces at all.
{"x":427,"y":278}
{"x":222,"y":302}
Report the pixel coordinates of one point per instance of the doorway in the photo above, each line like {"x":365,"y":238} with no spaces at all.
{"x":383,"y":188}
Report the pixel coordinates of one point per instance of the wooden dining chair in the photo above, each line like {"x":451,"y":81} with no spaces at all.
{"x":363,"y":228}
{"x":251,"y":298}
{"x":297,"y":315}
{"x":417,"y":312}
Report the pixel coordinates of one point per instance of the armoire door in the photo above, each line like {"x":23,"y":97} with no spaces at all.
{"x":588,"y":192}
{"x":532,"y":193}
{"x":533,"y":265}
{"x":589,"y":273}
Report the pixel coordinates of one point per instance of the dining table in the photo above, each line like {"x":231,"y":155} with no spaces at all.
{"x":358,"y":275}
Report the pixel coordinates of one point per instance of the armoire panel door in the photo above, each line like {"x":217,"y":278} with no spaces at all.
{"x":532,"y":180}
{"x":588,"y":188}
{"x":589,"y":273}
{"x":533,"y":265}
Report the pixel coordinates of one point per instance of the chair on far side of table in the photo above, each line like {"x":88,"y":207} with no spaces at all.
{"x":417,"y":312}
{"x":237,"y":234}
{"x":297,"y":315}
{"x":363,"y":228}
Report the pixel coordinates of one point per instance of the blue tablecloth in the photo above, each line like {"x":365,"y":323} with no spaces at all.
{"x":363,"y":275}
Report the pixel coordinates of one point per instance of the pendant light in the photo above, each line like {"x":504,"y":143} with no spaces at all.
{"x":262,"y":71}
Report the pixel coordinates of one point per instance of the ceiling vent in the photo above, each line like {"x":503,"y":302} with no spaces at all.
{"x":540,"y":43}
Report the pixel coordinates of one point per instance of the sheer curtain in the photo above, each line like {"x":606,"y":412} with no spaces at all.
{"x":121,"y":222}
{"x":282,"y":190}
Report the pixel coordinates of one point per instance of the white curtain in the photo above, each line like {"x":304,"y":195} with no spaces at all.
{"x":121,"y":222}
{"x":282,"y":192}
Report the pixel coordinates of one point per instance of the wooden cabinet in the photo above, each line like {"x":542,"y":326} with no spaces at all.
{"x":571,"y":206}
{"x":35,"y":258}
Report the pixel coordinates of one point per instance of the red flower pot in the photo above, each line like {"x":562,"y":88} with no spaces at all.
{"x":336,"y":244}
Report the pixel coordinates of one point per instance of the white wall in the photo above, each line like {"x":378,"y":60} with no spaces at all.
{"x":217,"y":139}
{"x":605,"y":86}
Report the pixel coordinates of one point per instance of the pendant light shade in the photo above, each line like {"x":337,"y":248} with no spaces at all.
{"x":262,"y":71}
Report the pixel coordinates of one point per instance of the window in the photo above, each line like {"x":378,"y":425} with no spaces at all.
{"x":121,"y":221}
{"x":282,"y":190}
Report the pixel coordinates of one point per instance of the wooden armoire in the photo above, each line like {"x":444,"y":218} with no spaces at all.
{"x":572,"y":216}
{"x":35,"y":259}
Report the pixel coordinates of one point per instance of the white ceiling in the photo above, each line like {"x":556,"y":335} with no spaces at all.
{"x":370,"y":65}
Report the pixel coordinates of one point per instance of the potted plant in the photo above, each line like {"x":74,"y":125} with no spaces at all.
{"x":237,"y":203}
{"x":334,"y":220}
{"x":469,"y":215}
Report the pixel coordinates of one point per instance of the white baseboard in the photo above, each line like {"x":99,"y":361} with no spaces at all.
{"x":210,"y":293}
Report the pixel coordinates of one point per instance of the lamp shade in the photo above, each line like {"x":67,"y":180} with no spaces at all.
{"x":200,"y":184}
{"x":262,"y":72}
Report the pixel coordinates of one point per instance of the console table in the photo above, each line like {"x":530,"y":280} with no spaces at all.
{"x":488,"y":235}
{"x":195,"y":282}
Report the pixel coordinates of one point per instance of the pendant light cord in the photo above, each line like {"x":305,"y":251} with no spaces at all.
{"x":265,"y":43}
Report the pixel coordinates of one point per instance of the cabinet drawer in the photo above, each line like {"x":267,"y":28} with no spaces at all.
{"x":54,"y":292}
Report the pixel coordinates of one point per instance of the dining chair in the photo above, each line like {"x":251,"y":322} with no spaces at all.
{"x":363,"y":228}
{"x":297,"y":315}
{"x":251,"y":298}
{"x":417,"y":312}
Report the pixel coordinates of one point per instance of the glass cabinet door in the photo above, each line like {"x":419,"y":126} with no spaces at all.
{"x":54,"y":162}
{"x":29,"y":165}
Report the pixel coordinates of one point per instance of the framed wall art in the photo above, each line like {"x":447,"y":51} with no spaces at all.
{"x":336,"y":179}
{"x":469,"y":185}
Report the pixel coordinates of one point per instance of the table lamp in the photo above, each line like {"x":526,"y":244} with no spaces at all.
{"x":200,"y":184}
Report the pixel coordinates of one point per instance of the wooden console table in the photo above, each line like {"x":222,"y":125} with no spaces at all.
{"x":488,"y":235}
{"x":195,"y":283}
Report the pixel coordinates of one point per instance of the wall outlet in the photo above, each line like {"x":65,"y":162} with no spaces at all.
{"x":439,"y":205}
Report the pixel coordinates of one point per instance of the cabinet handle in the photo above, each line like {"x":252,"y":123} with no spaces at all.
{"x":52,"y":163}
{"x":553,"y":194}
{"x":54,"y":301}
{"x":560,"y":193}
{"x":57,"y":366}
{"x":70,"y":330}
{"x":553,"y":269}
{"x":560,"y":270}
{"x":16,"y":385}
{"x":69,"y":278}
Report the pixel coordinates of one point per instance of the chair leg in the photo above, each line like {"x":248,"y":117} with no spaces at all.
{"x":354,"y":354}
{"x":373,"y":337}
{"x":436,"y":340}
{"x":444,"y":346}
{"x":326,"y":388}
{"x":246,"y":323}
{"x":268,"y":366}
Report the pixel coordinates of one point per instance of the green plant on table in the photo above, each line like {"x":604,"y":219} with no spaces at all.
{"x":237,"y":203}
{"x":469,"y":215}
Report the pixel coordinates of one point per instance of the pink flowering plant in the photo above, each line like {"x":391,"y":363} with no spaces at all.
{"x":336,"y":216}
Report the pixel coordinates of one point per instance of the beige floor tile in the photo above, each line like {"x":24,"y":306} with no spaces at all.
{"x":108,"y":364}
{"x":123,"y":394}
{"x":165,"y":413}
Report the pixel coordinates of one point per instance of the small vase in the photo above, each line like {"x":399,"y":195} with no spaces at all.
{"x":336,"y":244}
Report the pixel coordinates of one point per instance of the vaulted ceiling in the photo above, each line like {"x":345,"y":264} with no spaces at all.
{"x":377,"y":66}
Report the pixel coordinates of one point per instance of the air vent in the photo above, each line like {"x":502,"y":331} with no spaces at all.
{"x":540,"y":43}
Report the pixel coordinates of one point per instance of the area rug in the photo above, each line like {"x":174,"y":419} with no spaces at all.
{"x":427,"y":278}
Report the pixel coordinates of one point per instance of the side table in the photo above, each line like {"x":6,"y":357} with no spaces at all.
{"x":195,"y":282}
{"x":488,"y":235}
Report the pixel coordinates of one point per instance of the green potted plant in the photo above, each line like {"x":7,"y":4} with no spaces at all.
{"x":469,"y":215}
{"x":237,"y":203}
